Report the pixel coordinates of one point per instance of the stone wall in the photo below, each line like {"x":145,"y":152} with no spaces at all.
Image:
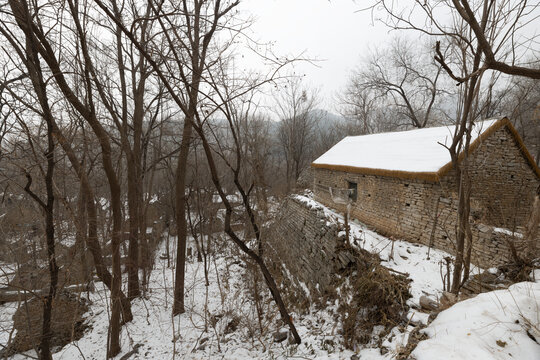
{"x":393,"y":206}
{"x":492,"y":247}
{"x":421,"y":211}
{"x":307,"y":243}
{"x":503,"y":182}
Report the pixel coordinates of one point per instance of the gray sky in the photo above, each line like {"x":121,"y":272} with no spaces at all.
{"x":334,"y":32}
{"x":330,"y":31}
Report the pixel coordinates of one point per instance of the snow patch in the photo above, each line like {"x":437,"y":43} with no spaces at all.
{"x":508,"y":232}
{"x":493,"y":325}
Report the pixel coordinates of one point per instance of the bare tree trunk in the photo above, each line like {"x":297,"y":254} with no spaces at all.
{"x":192,"y":227}
{"x":133,"y":210}
{"x":181,"y":224}
{"x":48,"y":208}
{"x":51,"y":255}
{"x":81,"y":234}
{"x":92,"y":239}
{"x":467,"y":224}
{"x":463,"y":212}
{"x":23,"y":18}
{"x":135,"y":196}
{"x":464,"y":184}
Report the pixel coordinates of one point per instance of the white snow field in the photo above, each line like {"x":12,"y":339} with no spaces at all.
{"x":483,"y":327}
{"x":502,"y":324}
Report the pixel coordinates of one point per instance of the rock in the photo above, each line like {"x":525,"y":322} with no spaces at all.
{"x":448,"y":299}
{"x":428,"y":304}
{"x":488,"y":278}
{"x":280,"y":336}
{"x":232,"y":325}
{"x":67,"y":323}
{"x":290,"y":339}
{"x":355,"y":357}
{"x":133,"y":351}
{"x":483,"y":228}
{"x":329,"y":342}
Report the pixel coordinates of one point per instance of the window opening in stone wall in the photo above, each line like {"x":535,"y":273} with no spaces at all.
{"x":353,"y":194}
{"x":445,"y":200}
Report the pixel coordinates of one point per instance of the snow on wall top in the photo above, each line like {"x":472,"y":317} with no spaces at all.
{"x":411,"y":151}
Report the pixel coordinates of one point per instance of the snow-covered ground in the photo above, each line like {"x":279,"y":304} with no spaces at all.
{"x":502,"y":324}
{"x":6,"y":322}
{"x":476,"y":323}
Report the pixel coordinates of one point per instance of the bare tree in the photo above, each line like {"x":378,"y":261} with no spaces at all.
{"x":360,"y":106}
{"x":188,"y":29}
{"x":221,"y":100}
{"x":84,"y":104}
{"x":522,"y":104}
{"x":480,"y":36}
{"x":255,"y":134}
{"x":33,"y":66}
{"x":133,"y":113}
{"x":503,"y":42}
{"x":404,"y":76}
{"x":224,"y":102}
{"x":295,"y":107}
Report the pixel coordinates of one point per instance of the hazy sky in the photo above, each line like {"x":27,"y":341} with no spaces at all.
{"x":333,"y":31}
{"x":330,"y":31}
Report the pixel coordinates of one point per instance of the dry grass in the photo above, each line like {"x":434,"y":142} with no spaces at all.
{"x":377,"y":298}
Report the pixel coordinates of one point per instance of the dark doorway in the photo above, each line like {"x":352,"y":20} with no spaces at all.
{"x":354,"y":193}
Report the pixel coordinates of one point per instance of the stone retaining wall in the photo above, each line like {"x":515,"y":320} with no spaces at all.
{"x":308,"y":243}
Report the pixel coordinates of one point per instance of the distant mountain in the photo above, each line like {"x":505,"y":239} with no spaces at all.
{"x":327,"y":119}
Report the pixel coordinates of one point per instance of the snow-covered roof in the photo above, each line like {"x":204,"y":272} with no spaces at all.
{"x":413,"y":152}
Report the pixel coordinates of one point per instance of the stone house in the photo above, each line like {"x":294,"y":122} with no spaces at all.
{"x":403,"y":185}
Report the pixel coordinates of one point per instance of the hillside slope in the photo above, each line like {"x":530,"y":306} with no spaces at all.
{"x":221,"y":319}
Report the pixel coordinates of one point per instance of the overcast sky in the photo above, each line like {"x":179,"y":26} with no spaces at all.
{"x":334,"y":32}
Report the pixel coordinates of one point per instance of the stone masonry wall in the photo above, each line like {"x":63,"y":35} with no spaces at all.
{"x":307,"y":243}
{"x":421,"y":211}
{"x":503,"y":182}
